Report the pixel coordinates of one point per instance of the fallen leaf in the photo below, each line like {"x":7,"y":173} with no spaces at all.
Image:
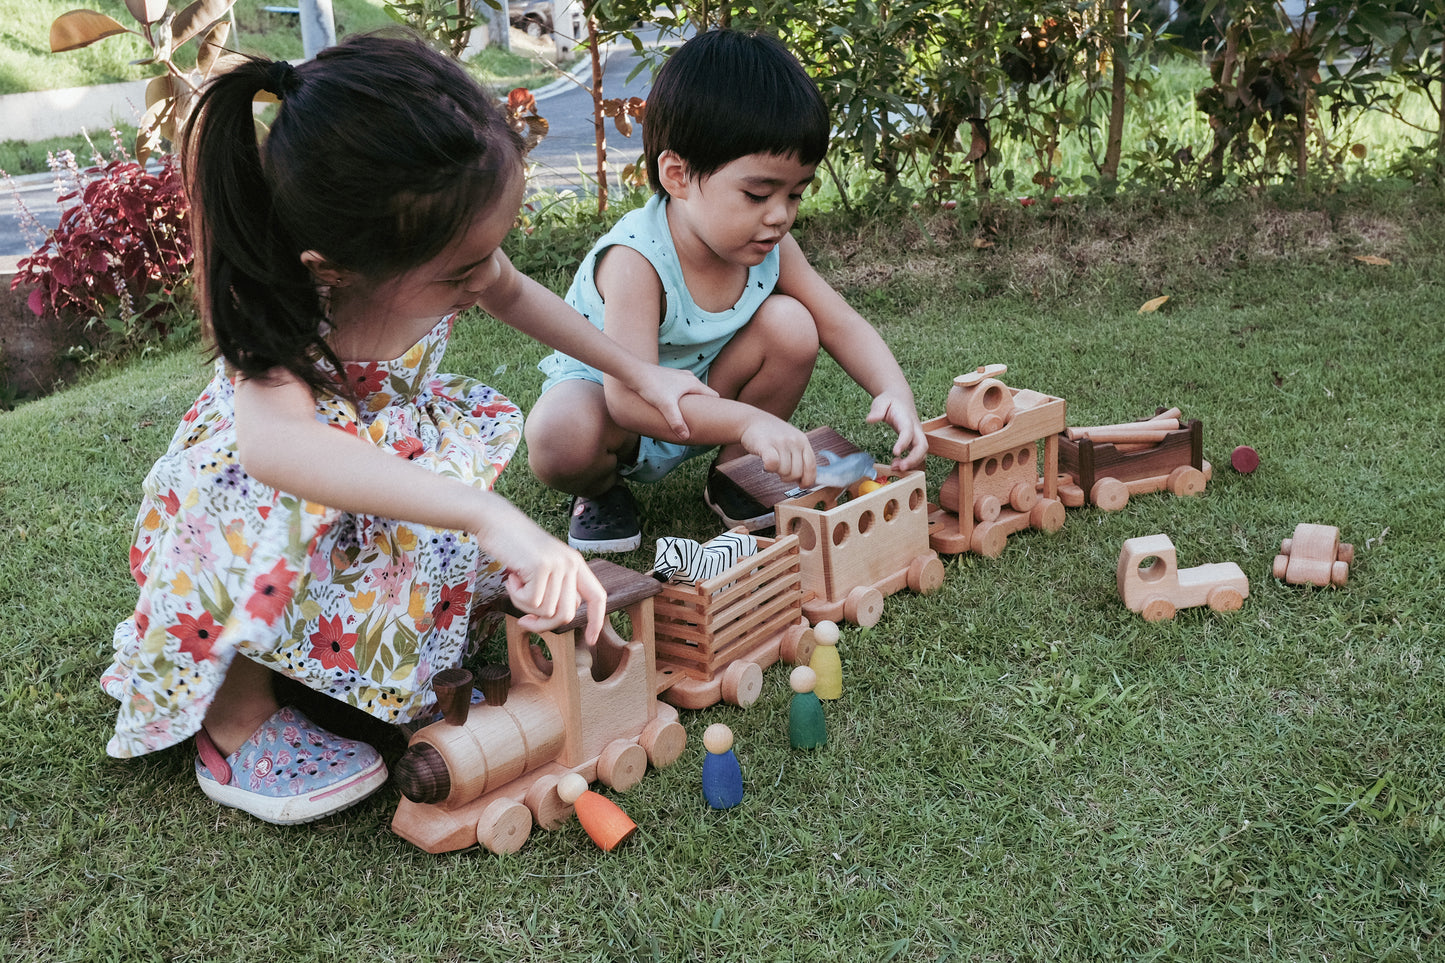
{"x":1153,"y":304}
{"x":1371,"y":259}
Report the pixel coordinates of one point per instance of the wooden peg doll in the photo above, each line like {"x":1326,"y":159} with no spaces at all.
{"x":806,"y":728}
{"x":826,"y":662}
{"x":603,"y":819}
{"x":722,"y":775}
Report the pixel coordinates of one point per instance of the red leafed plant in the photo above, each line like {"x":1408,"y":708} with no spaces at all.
{"x":122,"y":247}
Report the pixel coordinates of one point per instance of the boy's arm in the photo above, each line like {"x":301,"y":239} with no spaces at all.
{"x":633,"y":294}
{"x":522,"y":303}
{"x":859,"y":350}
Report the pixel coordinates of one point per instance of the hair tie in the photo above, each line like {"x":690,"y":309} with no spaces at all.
{"x":281,"y":79}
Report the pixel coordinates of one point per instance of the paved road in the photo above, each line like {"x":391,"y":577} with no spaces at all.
{"x":564,"y":159}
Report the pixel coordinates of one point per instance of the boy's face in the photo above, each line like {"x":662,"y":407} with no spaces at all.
{"x":746,"y":207}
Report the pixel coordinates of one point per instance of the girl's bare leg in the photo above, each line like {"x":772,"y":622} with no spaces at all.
{"x":244,"y":701}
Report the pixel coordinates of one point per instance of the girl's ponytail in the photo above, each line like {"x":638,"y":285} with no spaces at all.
{"x":260,"y":303}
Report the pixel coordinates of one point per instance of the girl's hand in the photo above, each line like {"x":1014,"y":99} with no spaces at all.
{"x":900,"y":414}
{"x":785,"y":451}
{"x":664,"y":388}
{"x":545,"y":578}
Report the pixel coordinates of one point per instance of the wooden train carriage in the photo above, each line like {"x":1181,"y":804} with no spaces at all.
{"x":860,"y":546}
{"x":714,"y":638}
{"x":1103,"y":475}
{"x":987,"y":505}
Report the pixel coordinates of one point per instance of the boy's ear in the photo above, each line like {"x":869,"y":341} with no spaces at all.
{"x":323,"y":270}
{"x":672,"y":173}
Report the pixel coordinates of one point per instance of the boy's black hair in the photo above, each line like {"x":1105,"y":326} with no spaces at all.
{"x":726,"y":94}
{"x":381,"y":152}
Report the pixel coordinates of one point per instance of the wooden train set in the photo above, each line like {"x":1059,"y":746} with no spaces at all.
{"x":573,"y":714}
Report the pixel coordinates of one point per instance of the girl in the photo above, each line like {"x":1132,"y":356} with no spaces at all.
{"x":324,"y":510}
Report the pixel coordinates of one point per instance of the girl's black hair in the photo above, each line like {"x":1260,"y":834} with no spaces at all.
{"x":726,"y":94}
{"x":381,"y":152}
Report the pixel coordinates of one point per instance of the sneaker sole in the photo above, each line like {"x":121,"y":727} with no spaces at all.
{"x":290,"y":810}
{"x":755,"y":524}
{"x":605,"y":545}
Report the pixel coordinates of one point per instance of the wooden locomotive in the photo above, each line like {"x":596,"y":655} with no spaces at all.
{"x":1106,"y":464}
{"x":993,"y":433}
{"x":857,"y":544}
{"x":568,"y":710}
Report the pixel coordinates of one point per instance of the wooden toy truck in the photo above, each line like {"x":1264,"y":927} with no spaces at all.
{"x":1314,"y":556}
{"x":716,"y":637}
{"x":1152,"y":583}
{"x":1103,"y":468}
{"x":993,"y":432}
{"x":856,"y":547}
{"x":568,"y":711}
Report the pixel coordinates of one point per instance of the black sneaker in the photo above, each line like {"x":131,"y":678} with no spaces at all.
{"x":607,"y":523}
{"x":733,"y":505}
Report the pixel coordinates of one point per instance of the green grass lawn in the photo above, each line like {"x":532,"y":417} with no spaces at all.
{"x":1019,"y":768}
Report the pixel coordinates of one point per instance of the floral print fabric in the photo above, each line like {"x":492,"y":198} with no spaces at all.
{"x":364,"y":609}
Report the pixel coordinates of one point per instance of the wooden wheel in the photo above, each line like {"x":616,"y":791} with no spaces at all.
{"x":1225,"y":599}
{"x":742,"y":683}
{"x":798,"y":644}
{"x":1186,"y":480}
{"x":988,"y":540}
{"x":1157,"y":610}
{"x":1281,"y":566}
{"x":622,"y":764}
{"x":1345,"y":553}
{"x":1022,"y":496}
{"x":863,"y":606}
{"x":1110,"y":494}
{"x":504,"y":826}
{"x":663,"y":740}
{"x":546,"y":807}
{"x":985,"y":508}
{"x":925,"y":574}
{"x":1047,"y":515}
{"x":1339,"y":573}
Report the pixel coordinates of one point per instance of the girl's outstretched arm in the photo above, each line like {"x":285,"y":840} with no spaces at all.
{"x":522,"y":303}
{"x":281,"y":444}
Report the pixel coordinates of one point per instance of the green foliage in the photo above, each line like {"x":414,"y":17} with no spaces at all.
{"x":933,"y":101}
{"x":447,"y":24}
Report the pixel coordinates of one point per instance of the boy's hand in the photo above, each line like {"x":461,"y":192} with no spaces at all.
{"x":785,"y":451}
{"x":664,"y":389}
{"x":900,"y":414}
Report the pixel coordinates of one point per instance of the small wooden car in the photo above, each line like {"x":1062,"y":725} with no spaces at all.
{"x":1315,"y":556}
{"x":1152,"y":583}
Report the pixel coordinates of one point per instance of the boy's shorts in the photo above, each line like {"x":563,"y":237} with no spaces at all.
{"x":655,"y":459}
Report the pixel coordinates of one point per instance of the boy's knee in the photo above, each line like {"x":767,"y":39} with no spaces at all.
{"x":789,"y":327}
{"x":567,"y":436}
{"x":554,"y":432}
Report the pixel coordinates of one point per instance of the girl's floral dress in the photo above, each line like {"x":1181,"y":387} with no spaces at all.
{"x":364,"y":609}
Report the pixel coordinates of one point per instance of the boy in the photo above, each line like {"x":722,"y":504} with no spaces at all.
{"x":706,"y":278}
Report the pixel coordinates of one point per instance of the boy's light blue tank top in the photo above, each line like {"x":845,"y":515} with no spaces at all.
{"x":688,"y":337}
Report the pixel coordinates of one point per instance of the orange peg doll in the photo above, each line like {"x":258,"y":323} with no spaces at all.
{"x":603,"y":819}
